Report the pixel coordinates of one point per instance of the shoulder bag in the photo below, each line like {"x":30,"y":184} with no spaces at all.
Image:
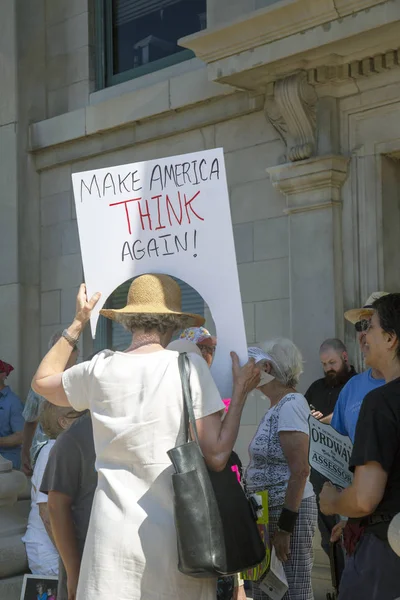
{"x":215,"y":521}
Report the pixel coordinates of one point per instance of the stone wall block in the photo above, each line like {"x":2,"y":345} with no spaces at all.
{"x":8,"y":204}
{"x":10,"y":327}
{"x":64,"y":69}
{"x":264,"y":280}
{"x":69,"y":98}
{"x":243,"y":235}
{"x":272,"y":319}
{"x":127,"y":108}
{"x":55,"y":180}
{"x":271,"y":239}
{"x":70,"y":236}
{"x":193,"y":87}
{"x":61,"y":272}
{"x":68,"y":303}
{"x":249,"y":164}
{"x":69,"y":35}
{"x":8,"y":64}
{"x":249,"y":321}
{"x":245,"y":132}
{"x":56,"y":209}
{"x":51,"y":308}
{"x":51,"y":241}
{"x":61,"y":10}
{"x":255,"y":200}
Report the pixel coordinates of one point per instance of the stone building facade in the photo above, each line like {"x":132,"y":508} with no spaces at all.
{"x":303,"y":95}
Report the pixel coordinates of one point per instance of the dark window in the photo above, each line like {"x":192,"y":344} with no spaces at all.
{"x":141,"y":36}
{"x":112,"y":335}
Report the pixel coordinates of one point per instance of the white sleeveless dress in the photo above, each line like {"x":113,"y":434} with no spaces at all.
{"x":137,"y":411}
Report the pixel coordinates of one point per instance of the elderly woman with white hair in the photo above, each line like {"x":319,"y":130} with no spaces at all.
{"x":279,"y":464}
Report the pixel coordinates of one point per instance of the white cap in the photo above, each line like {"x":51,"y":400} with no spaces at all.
{"x":261,"y":357}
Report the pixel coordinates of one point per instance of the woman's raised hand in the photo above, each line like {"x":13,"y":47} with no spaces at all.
{"x":246,"y":377}
{"x":84,"y":306}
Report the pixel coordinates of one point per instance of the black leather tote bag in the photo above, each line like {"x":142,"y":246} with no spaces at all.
{"x":215,"y":522}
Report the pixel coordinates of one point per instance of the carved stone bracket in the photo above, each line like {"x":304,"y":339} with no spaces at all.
{"x":291,"y":108}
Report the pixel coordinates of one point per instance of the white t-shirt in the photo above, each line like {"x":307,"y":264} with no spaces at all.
{"x":41,"y":552}
{"x":268,"y":468}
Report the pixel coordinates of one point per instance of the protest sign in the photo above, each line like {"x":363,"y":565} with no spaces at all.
{"x":329,"y":453}
{"x":168,"y":216}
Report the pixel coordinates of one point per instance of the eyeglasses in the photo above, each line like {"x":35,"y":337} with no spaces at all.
{"x":362,"y":326}
{"x":206,"y":349}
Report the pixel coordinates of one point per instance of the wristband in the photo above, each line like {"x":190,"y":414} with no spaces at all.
{"x":287,"y":520}
{"x":71,"y":341}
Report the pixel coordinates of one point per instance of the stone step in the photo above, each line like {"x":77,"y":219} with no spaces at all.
{"x":10,"y":589}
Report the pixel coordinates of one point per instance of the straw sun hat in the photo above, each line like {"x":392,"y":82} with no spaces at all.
{"x":357,"y":314}
{"x":153,"y":294}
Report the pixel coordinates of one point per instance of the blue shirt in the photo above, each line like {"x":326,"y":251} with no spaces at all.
{"x":347,"y":409}
{"x":11,"y":421}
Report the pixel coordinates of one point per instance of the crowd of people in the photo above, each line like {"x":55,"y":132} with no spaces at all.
{"x":94,"y":437}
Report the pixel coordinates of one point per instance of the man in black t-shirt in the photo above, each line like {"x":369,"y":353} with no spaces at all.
{"x":373,"y":572}
{"x":322,"y":396}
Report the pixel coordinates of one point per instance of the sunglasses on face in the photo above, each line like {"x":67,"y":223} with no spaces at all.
{"x":206,"y":348}
{"x":362,"y":325}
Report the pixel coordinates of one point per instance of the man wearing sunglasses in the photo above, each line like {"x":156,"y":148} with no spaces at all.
{"x":347,"y":409}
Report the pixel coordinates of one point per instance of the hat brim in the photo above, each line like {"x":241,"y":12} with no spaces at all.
{"x":117,"y":314}
{"x":184,"y":346}
{"x":357,"y":314}
{"x":207,"y":341}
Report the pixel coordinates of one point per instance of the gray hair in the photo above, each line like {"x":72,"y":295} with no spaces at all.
{"x":54,"y":338}
{"x":333,"y":344}
{"x":50,"y":416}
{"x":154,"y":322}
{"x":287,"y":362}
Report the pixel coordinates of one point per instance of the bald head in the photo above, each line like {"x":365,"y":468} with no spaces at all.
{"x":333,"y":344}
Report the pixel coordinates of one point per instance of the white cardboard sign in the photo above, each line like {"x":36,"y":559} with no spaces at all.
{"x":167,"y":216}
{"x":329,"y":453}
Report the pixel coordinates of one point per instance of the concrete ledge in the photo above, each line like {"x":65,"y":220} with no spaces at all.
{"x":143,"y":104}
{"x":58,"y":130}
{"x":259,"y":27}
{"x":266,"y":25}
{"x":168,"y":124}
{"x":371,"y":29}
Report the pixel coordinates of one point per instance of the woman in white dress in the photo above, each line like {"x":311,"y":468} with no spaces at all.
{"x":137,"y":410}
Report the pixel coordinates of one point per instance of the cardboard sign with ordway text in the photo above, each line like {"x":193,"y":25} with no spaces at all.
{"x":169,"y":216}
{"x":329,"y":453}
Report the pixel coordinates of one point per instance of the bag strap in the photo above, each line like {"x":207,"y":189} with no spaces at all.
{"x":184,"y":371}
